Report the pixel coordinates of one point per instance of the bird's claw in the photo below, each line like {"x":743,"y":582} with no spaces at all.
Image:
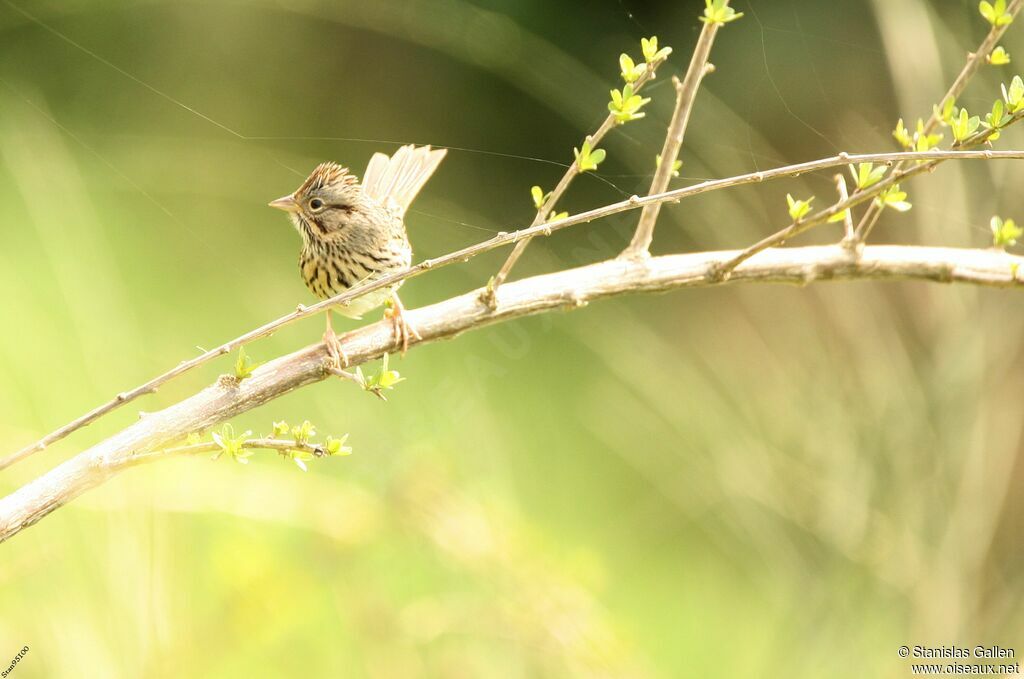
{"x":336,"y":355}
{"x":404,"y":332}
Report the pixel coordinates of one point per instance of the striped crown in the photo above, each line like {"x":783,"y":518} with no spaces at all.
{"x":327,"y":174}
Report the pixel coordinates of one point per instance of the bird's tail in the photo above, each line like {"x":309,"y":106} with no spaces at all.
{"x":400,"y":177}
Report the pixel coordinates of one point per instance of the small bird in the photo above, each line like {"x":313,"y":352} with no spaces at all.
{"x":353,"y":233}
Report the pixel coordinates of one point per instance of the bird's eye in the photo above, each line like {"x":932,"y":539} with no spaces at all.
{"x":316,"y":204}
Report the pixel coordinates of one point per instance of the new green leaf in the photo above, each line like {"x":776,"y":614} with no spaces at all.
{"x":588,"y":158}
{"x":944,"y":114}
{"x":922,"y":141}
{"x":996,"y":119}
{"x":798,"y":208}
{"x":902,"y":135}
{"x":1014,"y":97}
{"x":539,"y":197}
{"x":999,"y":57}
{"x":335,"y":446}
{"x":649,"y":46}
{"x":676,"y":165}
{"x":232,"y":445}
{"x":839,"y":216}
{"x":995,"y":12}
{"x":1004,"y":233}
{"x":717,"y":12}
{"x":303,"y":432}
{"x":894,"y":198}
{"x":964,"y":125}
{"x":244,"y":365}
{"x":626,"y":105}
{"x":631,"y":71}
{"x":386,"y":379}
{"x":866,"y":174}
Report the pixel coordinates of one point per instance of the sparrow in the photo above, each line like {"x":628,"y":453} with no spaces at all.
{"x":355,"y":232}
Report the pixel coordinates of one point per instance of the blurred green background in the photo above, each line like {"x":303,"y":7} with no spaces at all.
{"x":739,"y":481}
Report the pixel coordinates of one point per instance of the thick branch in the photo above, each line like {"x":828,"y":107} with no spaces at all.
{"x":500,"y":240}
{"x":686,"y":94}
{"x":562,"y":290}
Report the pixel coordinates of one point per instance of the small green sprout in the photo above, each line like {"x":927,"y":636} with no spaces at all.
{"x":631,"y":72}
{"x":676,"y":165}
{"x":193,"y":439}
{"x":331,"y":447}
{"x":919,"y":140}
{"x":798,"y":208}
{"x":244,"y":366}
{"x":839,"y":216}
{"x":1014,"y":97}
{"x":626,"y":105}
{"x":299,"y":457}
{"x":588,"y":158}
{"x":995,"y":12}
{"x":649,"y":46}
{"x":944,"y":113}
{"x":281,"y":428}
{"x":386,"y":379}
{"x":539,"y":197}
{"x":964,"y":125}
{"x":902,"y":135}
{"x":240,"y":448}
{"x":866,"y":174}
{"x":998,"y":57}
{"x":924,"y":141}
{"x":892,"y":197}
{"x":717,"y":12}
{"x":556,"y":217}
{"x":232,"y":445}
{"x":303,"y":432}
{"x":335,"y":446}
{"x":996,"y":119}
{"x":1004,"y":233}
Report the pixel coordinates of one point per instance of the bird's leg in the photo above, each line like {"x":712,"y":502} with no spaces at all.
{"x":339,"y":359}
{"x":403,"y":331}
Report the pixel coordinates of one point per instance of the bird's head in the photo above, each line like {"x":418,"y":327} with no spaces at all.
{"x":325,"y":202}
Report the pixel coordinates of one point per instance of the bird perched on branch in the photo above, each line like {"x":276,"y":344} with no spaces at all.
{"x":353,"y":233}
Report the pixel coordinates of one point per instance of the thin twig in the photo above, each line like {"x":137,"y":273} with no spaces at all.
{"x":867,"y":223}
{"x":563,"y":290}
{"x":279,"y":445}
{"x":502,"y":239}
{"x":571,"y":172}
{"x":844,"y":194}
{"x":686,"y":94}
{"x":353,"y":377}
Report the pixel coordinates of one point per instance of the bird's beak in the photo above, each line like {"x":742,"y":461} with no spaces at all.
{"x":286,"y":203}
